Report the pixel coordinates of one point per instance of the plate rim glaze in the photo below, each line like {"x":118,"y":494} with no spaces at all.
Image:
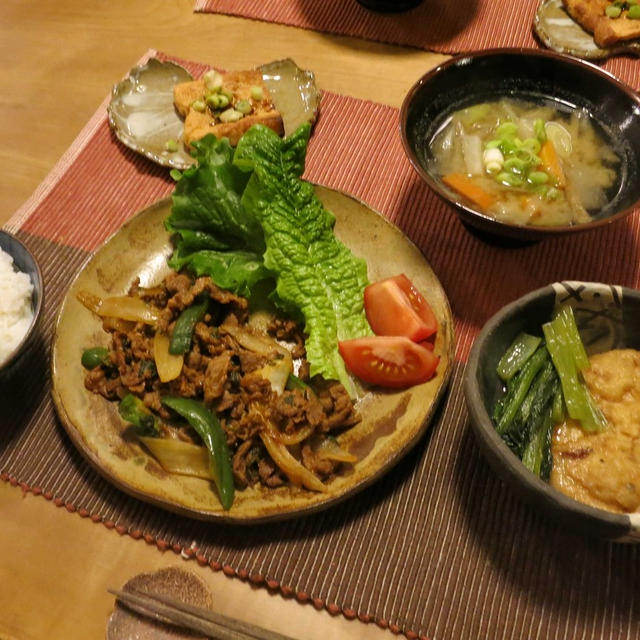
{"x":311,"y":502}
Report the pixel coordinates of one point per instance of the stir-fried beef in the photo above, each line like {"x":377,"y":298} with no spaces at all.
{"x":287,"y":330}
{"x":225,"y":372}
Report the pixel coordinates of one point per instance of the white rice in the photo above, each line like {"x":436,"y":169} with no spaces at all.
{"x":15,"y":305}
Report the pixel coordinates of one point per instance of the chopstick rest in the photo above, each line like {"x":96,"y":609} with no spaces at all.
{"x":169,"y":610}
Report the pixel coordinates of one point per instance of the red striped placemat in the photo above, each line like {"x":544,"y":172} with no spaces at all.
{"x":435,"y":25}
{"x":436,"y":548}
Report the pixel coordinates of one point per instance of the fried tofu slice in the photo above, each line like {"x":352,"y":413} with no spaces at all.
{"x":238,"y":84}
{"x":590,"y":14}
{"x":611,"y":31}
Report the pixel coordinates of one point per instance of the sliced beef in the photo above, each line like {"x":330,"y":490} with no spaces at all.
{"x":224,"y":375}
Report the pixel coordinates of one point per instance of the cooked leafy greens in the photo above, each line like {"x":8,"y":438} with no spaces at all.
{"x":246,"y":216}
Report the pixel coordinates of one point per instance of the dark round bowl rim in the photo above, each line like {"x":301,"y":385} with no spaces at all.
{"x":511,"y":464}
{"x":562,"y":58}
{"x":39,"y":301}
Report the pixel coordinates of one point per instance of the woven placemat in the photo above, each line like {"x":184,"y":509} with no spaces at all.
{"x":435,"y":25}
{"x":438,"y":547}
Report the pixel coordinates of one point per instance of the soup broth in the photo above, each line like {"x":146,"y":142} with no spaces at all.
{"x":526,"y":163}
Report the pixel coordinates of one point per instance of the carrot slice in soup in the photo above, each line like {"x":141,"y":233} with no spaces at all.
{"x":551,"y":163}
{"x":469,"y":189}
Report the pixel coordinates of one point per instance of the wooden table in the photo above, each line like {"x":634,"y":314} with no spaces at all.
{"x":60,"y":59}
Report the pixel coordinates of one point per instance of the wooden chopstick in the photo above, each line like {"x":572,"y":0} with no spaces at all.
{"x":170,"y":610}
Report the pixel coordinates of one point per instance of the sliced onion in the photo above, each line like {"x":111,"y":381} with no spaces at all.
{"x":297,"y":473}
{"x":560,"y":138}
{"x":472,"y":152}
{"x":290,"y":438}
{"x":258,"y":344}
{"x":259,"y":321}
{"x":329,"y":449}
{"x":277,"y":373}
{"x":277,"y":370}
{"x":178,"y":456}
{"x":169,"y":366}
{"x":123,"y":307}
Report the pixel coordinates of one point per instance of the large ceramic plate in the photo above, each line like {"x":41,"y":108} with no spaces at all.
{"x":392,"y":421}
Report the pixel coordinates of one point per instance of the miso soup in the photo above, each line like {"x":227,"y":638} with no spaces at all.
{"x":526,"y":163}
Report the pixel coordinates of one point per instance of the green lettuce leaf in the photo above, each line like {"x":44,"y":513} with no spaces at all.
{"x":247,"y":217}
{"x":207,"y":198}
{"x":239,"y":271}
{"x":317,"y":275}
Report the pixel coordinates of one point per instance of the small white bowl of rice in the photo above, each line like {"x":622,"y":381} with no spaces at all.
{"x":21,"y":297}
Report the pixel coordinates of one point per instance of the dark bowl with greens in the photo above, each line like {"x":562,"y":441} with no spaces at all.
{"x":510,"y":345}
{"x":442,"y":140}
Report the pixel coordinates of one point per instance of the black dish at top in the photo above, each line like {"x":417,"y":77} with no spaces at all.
{"x":532,"y":75}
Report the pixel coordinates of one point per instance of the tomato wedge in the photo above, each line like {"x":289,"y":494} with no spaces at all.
{"x":394,"y":307}
{"x":388,"y":361}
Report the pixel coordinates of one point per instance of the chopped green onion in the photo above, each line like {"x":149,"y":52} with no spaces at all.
{"x":507,"y":128}
{"x":533,"y":144}
{"x":212,"y":80}
{"x":515,"y":165}
{"x":199,"y":105}
{"x":257,"y":93}
{"x":612,"y":11}
{"x":217,"y":100}
{"x":538,"y":177}
{"x":508,"y":145}
{"x":244,"y":107}
{"x":538,"y":128}
{"x":172,"y":145}
{"x":634,"y":12}
{"x":493,"y":144}
{"x":231,"y":115}
{"x":510,"y":179}
{"x":526,"y":155}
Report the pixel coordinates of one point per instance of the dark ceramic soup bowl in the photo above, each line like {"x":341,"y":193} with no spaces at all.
{"x":531,"y":75}
{"x":24,"y":261}
{"x":607,"y":317}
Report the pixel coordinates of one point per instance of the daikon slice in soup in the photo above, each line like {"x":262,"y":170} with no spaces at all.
{"x":526,"y":163}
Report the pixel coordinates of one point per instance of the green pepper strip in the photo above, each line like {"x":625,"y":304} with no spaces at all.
{"x":133,"y":410}
{"x":183,"y":329}
{"x":208,"y":427}
{"x":293,"y":382}
{"x":94,"y":357}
